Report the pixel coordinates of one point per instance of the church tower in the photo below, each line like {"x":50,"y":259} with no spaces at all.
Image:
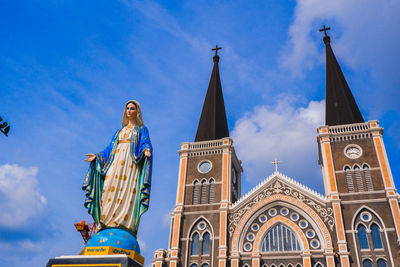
{"x":357,"y":177}
{"x":208,"y":183}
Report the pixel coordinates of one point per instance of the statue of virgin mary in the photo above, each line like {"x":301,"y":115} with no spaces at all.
{"x":117,"y":184}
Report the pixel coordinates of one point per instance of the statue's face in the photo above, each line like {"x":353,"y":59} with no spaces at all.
{"x":131,"y":111}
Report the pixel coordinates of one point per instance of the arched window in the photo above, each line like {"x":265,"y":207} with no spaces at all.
{"x":359,"y":182}
{"x":382,"y":263}
{"x":203,"y":192}
{"x":349,"y":180}
{"x":367,"y":263}
{"x":211,"y":192}
{"x":280,"y":238}
{"x":376,"y":236}
{"x":298,"y":265}
{"x":206,"y":244}
{"x":195,"y":193}
{"x":281,"y":265}
{"x":289,"y":265}
{"x":194,"y":250}
{"x":362,"y":237}
{"x":193,"y":265}
{"x":367,"y":177}
{"x":318,"y":265}
{"x":205,"y":265}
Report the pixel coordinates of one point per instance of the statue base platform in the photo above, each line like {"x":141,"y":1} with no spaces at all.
{"x":94,"y":260}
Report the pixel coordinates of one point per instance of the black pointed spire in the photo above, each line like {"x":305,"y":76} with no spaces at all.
{"x":213,"y":124}
{"x":340,"y":106}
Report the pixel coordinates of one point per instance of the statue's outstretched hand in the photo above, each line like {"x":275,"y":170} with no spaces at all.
{"x":90,"y":158}
{"x":147,"y":153}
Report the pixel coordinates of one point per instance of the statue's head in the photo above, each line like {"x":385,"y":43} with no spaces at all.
{"x":132,"y":108}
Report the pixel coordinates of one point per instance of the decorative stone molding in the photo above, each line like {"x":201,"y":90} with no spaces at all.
{"x":285,"y":179}
{"x":280,"y":188}
{"x":353,"y":131}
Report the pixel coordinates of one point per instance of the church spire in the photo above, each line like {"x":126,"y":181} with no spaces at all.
{"x":340,"y":106}
{"x":213,"y":124}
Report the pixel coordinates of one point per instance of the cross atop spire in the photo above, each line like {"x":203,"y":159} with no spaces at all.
{"x":216,"y":49}
{"x":276,"y":162}
{"x":324,"y":29}
{"x":216,"y":57}
{"x":326,"y":38}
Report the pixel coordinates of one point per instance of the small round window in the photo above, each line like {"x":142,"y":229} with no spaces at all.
{"x":247,"y":246}
{"x":202,"y":226}
{"x":251,"y":236}
{"x":366,"y":216}
{"x":310,"y":233}
{"x":204,"y":166}
{"x":315,"y":243}
{"x":272,"y":212}
{"x":255,"y":227}
{"x":294,"y":216}
{"x":263,"y":218}
{"x":303,"y":224}
{"x":284,"y":211}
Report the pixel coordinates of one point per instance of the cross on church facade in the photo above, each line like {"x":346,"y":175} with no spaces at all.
{"x":276,"y":162}
{"x":324,"y":29}
{"x":216,"y":49}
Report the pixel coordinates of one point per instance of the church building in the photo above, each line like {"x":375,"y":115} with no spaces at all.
{"x":280,"y":222}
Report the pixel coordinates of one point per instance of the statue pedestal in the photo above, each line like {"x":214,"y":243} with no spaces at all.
{"x":95,"y":260}
{"x":113,"y":241}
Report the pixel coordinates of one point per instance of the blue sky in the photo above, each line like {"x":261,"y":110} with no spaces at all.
{"x":68,"y":67}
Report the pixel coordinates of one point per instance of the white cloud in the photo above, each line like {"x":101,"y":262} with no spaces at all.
{"x":19,"y":195}
{"x":281,"y":131}
{"x":359,"y":27}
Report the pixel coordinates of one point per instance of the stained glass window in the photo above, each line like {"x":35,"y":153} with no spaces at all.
{"x":376,"y":236}
{"x":280,"y":238}
{"x":367,"y":263}
{"x":382,"y":263}
{"x":206,"y":244}
{"x":195,"y":245}
{"x":362,"y":237}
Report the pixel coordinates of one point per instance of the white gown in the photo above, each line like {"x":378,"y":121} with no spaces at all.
{"x":120,"y":186}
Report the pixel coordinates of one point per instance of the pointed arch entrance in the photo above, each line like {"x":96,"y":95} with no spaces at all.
{"x":291,"y":201}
